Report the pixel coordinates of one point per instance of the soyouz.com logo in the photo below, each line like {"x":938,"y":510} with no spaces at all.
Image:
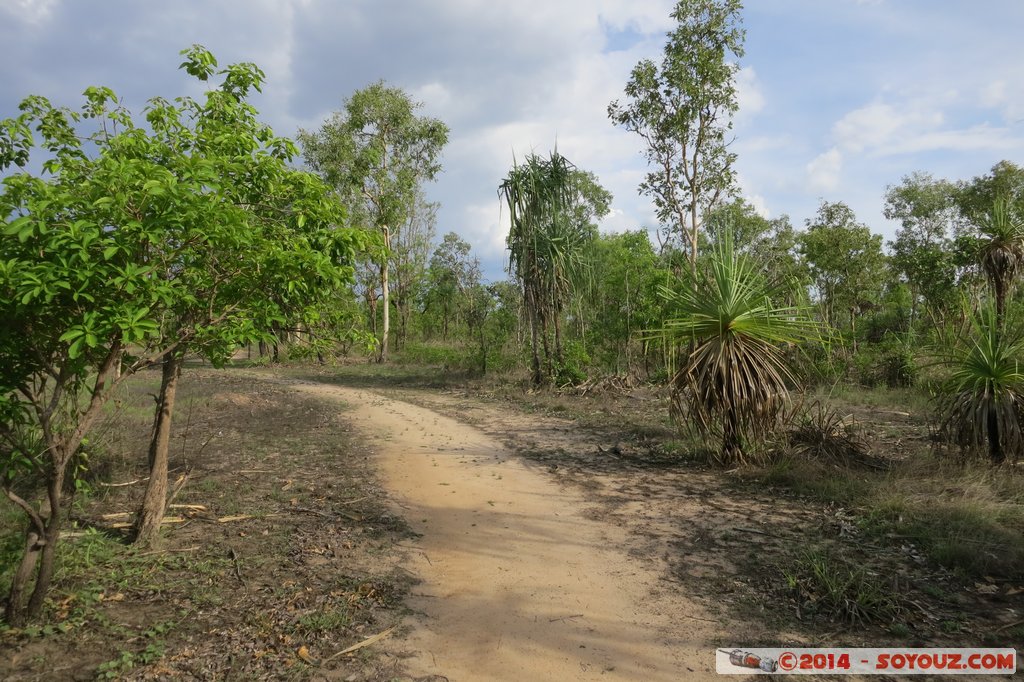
{"x":775,"y":661}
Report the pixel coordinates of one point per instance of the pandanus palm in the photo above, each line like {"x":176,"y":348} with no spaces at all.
{"x":1002,"y":251}
{"x":545,"y":247}
{"x":984,"y":397}
{"x":735,"y":326}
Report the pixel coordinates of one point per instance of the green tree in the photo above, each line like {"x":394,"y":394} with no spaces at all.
{"x":769,"y":242}
{"x":682,"y":109}
{"x":1005,"y":180}
{"x":410,"y":259}
{"x":924,"y":252}
{"x":845,"y":262}
{"x":137,"y":245}
{"x":451,"y":275}
{"x":734,"y":322}
{"x":552,"y":206}
{"x":622,"y":302}
{"x":377,"y":153}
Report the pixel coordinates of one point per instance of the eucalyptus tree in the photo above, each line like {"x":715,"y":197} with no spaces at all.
{"x":622,"y":300}
{"x":410,"y":258}
{"x":772,"y":242}
{"x":924,"y":252}
{"x":1004,"y":180}
{"x":139,"y":244}
{"x":735,"y":322}
{"x":682,"y":109}
{"x":377,"y":153}
{"x":551,"y":206}
{"x":450,"y":277}
{"x":844,"y":260}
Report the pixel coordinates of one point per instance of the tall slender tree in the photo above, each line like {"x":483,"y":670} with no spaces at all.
{"x":377,"y":153}
{"x":551,"y":206}
{"x":682,"y":109}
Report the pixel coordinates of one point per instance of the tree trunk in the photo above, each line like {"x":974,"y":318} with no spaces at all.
{"x":386,"y":326}
{"x":55,"y":488}
{"x":40,"y":549}
{"x":536,"y":375}
{"x":559,"y":356}
{"x":546,"y":344}
{"x":15,"y":614}
{"x":853,"y":326}
{"x":483,"y":350}
{"x":151,"y":514}
{"x":1000,"y":291}
{"x":732,"y":445}
{"x":995,"y":446}
{"x":693,"y":234}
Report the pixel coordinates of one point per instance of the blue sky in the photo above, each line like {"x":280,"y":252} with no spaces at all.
{"x":839,"y":98}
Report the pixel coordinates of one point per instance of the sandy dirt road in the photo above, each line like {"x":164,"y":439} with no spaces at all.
{"x":518,"y":581}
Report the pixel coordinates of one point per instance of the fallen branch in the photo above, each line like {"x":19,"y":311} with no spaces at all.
{"x":179,"y":484}
{"x":1009,"y":625}
{"x":240,"y":517}
{"x":166,"y":519}
{"x":122,"y":485}
{"x":366,"y":642}
{"x":555,"y":620}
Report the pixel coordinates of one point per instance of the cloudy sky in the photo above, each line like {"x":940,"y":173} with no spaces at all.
{"x":838,"y":98}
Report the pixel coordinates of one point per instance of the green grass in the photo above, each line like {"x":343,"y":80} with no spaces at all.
{"x":829,"y":585}
{"x":912,"y":400}
{"x":818,"y":480}
{"x":324,"y":620}
{"x":968,"y":518}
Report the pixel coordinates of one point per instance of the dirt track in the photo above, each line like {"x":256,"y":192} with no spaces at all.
{"x":518,"y":581}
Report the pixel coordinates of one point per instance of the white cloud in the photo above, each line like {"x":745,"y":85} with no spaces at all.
{"x":759,"y":205}
{"x":823,"y":171}
{"x":749,"y":95}
{"x":976,"y":138}
{"x":29,"y":11}
{"x":879,"y":124}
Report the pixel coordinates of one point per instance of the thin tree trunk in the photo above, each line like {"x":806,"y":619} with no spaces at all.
{"x":546,"y":345}
{"x":693,"y":236}
{"x":14,"y":614}
{"x":151,"y":514}
{"x":559,"y":356}
{"x":55,"y":489}
{"x":538,"y":378}
{"x":386,"y":326}
{"x":1000,"y":291}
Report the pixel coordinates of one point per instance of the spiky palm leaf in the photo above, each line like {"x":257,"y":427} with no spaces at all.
{"x":1002,"y":253}
{"x":735,"y":377}
{"x":983,"y":401}
{"x":546,"y":249}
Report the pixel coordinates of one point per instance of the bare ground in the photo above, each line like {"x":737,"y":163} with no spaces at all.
{"x":486,"y":537}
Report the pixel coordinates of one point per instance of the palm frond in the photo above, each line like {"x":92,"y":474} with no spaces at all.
{"x":730,"y":319}
{"x":983,"y":400}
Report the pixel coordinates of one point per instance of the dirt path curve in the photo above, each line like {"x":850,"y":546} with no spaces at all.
{"x":517,"y":582}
